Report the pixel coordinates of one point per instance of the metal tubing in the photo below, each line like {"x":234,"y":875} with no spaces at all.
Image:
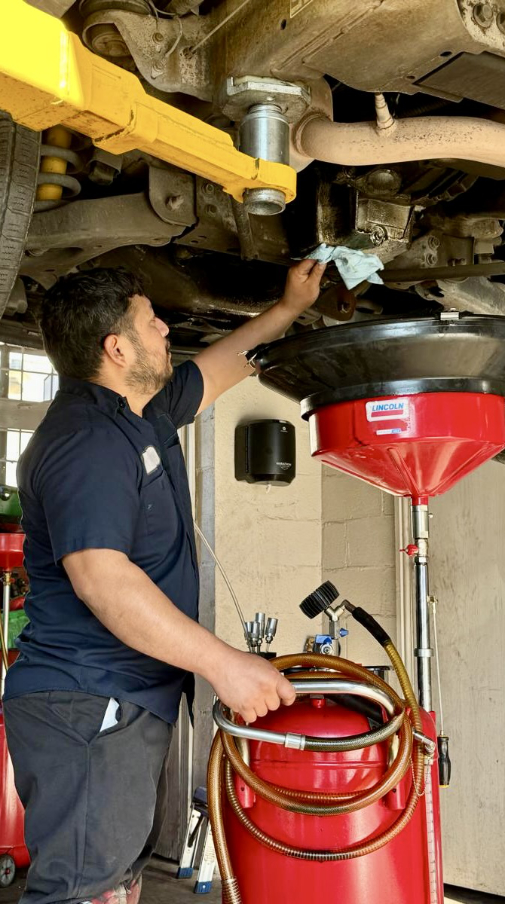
{"x":423,"y":651}
{"x":345,"y":686}
{"x":6,"y":599}
{"x":422,"y":138}
{"x":335,"y":686}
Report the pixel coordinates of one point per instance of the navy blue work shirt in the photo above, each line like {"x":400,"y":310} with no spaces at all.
{"x":96,"y":475}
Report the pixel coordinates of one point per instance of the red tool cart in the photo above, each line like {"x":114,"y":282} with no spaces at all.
{"x":13,"y":852}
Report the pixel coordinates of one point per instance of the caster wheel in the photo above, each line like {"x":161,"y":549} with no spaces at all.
{"x":7,"y":870}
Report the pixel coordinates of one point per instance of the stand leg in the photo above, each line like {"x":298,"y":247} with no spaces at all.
{"x":423,"y":651}
{"x":6,"y":599}
{"x":207,"y":864}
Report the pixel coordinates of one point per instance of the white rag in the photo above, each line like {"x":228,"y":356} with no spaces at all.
{"x":353,"y":265}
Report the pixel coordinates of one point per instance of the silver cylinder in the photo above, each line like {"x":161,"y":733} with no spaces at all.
{"x":264,"y":202}
{"x":270,"y":629}
{"x":255,"y":634}
{"x":420,"y":522}
{"x":264,"y":132}
{"x":260,"y":618}
{"x":423,"y":651}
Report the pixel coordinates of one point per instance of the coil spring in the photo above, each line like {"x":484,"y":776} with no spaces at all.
{"x":55,"y":183}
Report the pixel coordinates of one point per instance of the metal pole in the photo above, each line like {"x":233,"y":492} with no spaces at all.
{"x":423,"y":651}
{"x":6,"y":582}
{"x":405,"y":581}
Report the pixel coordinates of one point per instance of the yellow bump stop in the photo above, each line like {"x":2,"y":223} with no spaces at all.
{"x":58,"y":137}
{"x":48,"y":78}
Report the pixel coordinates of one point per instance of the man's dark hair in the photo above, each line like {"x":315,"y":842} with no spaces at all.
{"x":79,"y":311}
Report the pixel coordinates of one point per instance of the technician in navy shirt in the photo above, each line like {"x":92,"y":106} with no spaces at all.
{"x":113,"y":635}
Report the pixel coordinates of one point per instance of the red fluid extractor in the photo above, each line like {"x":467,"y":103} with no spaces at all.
{"x":337,"y":797}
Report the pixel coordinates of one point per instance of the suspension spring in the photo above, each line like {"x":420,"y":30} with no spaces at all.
{"x":55,"y":183}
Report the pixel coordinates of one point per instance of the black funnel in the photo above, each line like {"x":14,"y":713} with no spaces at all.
{"x":446,"y":353}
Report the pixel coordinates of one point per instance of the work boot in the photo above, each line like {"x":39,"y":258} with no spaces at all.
{"x":122,"y":894}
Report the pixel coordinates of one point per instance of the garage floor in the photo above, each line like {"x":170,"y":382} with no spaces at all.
{"x":160,"y":887}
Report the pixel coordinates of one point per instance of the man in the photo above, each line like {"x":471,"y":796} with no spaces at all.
{"x":111,"y":557}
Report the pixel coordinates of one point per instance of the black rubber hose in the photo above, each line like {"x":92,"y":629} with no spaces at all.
{"x":369,"y":622}
{"x":372,"y":711}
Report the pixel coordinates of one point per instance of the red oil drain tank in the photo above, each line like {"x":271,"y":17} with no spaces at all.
{"x":407,"y":869}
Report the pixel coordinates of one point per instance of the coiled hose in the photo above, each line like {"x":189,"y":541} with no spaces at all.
{"x":225,"y":759}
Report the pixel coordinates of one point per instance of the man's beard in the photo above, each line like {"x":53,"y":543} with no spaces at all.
{"x":147,"y":376}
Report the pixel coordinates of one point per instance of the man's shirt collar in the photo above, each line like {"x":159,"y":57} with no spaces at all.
{"x":107,"y":399}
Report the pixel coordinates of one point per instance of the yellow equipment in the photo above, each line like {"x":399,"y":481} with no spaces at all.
{"x":48,"y":78}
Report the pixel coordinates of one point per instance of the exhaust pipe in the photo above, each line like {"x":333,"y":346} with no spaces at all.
{"x":399,"y":141}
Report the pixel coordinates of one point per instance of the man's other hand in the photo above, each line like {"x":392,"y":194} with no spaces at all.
{"x":302,"y":286}
{"x":251,"y":686}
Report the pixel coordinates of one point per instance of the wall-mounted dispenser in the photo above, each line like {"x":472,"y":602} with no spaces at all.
{"x":265,"y":452}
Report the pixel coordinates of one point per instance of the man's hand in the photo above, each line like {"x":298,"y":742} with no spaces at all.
{"x":249,"y":685}
{"x":302,"y":286}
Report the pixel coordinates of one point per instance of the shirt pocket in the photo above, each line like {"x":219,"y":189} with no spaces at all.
{"x":158,"y":504}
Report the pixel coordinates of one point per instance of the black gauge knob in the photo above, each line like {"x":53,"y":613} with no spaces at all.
{"x":319,"y":600}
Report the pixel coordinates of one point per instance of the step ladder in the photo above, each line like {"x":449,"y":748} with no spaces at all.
{"x":199,"y":836}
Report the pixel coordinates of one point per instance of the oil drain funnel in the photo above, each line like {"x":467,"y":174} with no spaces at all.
{"x":410,"y":406}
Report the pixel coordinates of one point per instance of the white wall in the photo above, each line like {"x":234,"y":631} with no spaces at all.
{"x":268,"y":539}
{"x":359,"y":557}
{"x":278,"y":544}
{"x":468,"y":578}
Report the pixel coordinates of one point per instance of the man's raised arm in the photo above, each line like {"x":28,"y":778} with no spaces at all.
{"x":223,"y":364}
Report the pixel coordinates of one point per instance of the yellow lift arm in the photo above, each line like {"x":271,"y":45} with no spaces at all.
{"x":47,"y":77}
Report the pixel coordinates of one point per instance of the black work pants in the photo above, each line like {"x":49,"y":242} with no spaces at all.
{"x":89,"y":791}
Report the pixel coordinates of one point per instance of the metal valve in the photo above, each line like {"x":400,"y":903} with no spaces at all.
{"x":411,"y":550}
{"x":260,"y":619}
{"x":259,"y":630}
{"x":270,"y":631}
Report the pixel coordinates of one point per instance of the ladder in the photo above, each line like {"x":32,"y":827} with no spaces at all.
{"x":198,"y":835}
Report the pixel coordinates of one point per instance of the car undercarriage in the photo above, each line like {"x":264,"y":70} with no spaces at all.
{"x":392,"y":114}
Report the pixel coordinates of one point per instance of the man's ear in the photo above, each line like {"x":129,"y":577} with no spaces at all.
{"x":114,"y":349}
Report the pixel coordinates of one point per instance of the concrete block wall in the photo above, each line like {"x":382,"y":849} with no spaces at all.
{"x":268,"y":538}
{"x":278,"y":543}
{"x":358,"y":554}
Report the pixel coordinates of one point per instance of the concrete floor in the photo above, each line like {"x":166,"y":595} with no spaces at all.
{"x":159,"y":886}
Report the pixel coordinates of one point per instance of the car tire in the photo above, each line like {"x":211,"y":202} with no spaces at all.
{"x":19,"y":167}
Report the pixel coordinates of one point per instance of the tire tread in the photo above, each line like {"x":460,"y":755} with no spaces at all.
{"x":19,"y":166}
